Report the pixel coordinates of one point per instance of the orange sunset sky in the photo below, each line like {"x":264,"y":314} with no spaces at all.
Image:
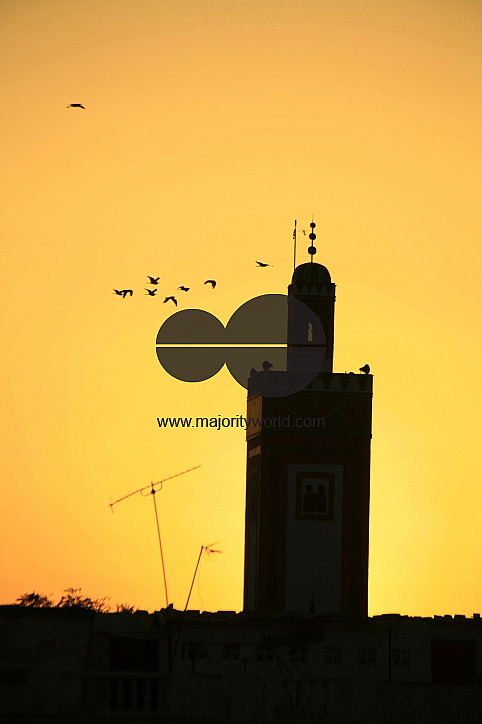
{"x":209,"y":126}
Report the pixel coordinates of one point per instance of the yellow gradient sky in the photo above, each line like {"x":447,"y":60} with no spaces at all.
{"x":209,"y":126}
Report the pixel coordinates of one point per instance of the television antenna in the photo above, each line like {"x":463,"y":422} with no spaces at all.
{"x":152,"y":491}
{"x":204,"y":549}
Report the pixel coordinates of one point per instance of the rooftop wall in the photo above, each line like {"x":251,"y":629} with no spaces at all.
{"x":63,"y":665}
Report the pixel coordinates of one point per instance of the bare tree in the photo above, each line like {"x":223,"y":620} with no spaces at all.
{"x":73,"y":598}
{"x":34,"y":600}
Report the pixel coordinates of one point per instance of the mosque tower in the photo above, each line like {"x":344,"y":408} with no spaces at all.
{"x":308,"y":480}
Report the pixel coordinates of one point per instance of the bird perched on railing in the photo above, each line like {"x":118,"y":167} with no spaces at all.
{"x":365,"y":369}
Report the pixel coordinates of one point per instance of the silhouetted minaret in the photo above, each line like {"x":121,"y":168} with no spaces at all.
{"x":308,"y":481}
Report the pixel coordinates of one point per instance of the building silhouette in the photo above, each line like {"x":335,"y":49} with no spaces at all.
{"x":308,"y":479}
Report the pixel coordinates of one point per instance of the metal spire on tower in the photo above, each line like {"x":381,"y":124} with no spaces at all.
{"x":312,"y":236}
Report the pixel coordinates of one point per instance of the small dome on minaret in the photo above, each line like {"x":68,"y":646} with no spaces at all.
{"x":310,"y":274}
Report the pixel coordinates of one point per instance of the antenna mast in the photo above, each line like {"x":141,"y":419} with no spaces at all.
{"x":153,"y":492}
{"x":294,"y":240}
{"x":208,"y":549}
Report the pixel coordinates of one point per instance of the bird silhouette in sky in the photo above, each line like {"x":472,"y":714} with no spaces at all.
{"x":153,"y":280}
{"x":151,"y":292}
{"x":210,"y":281}
{"x":184,"y":289}
{"x":76,"y":105}
{"x":260,"y":263}
{"x":173,"y":299}
{"x":365,"y":369}
{"x":123,"y":292}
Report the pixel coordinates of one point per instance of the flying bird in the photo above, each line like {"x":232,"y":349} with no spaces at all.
{"x":76,"y":105}
{"x":118,"y":291}
{"x":153,"y":280}
{"x":260,"y":263}
{"x":210,"y":281}
{"x":123,"y":292}
{"x":184,"y":289}
{"x":167,"y":299}
{"x":151,"y":292}
{"x":365,"y":369}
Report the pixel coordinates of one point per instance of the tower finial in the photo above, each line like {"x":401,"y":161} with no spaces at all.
{"x":312,"y":236}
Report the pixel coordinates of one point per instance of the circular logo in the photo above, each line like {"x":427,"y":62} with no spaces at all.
{"x":273,"y":345}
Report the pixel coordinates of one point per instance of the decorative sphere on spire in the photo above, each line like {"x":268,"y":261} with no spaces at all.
{"x":312,"y":236}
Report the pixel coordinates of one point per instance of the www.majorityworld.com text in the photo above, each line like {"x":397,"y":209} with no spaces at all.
{"x":219,"y":422}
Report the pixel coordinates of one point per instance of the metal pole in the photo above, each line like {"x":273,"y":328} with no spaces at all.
{"x":294,"y":239}
{"x":153,"y":493}
{"x":194,"y":577}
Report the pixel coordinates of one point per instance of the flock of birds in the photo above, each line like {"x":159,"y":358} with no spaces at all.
{"x":153,"y":281}
{"x":151,"y":292}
